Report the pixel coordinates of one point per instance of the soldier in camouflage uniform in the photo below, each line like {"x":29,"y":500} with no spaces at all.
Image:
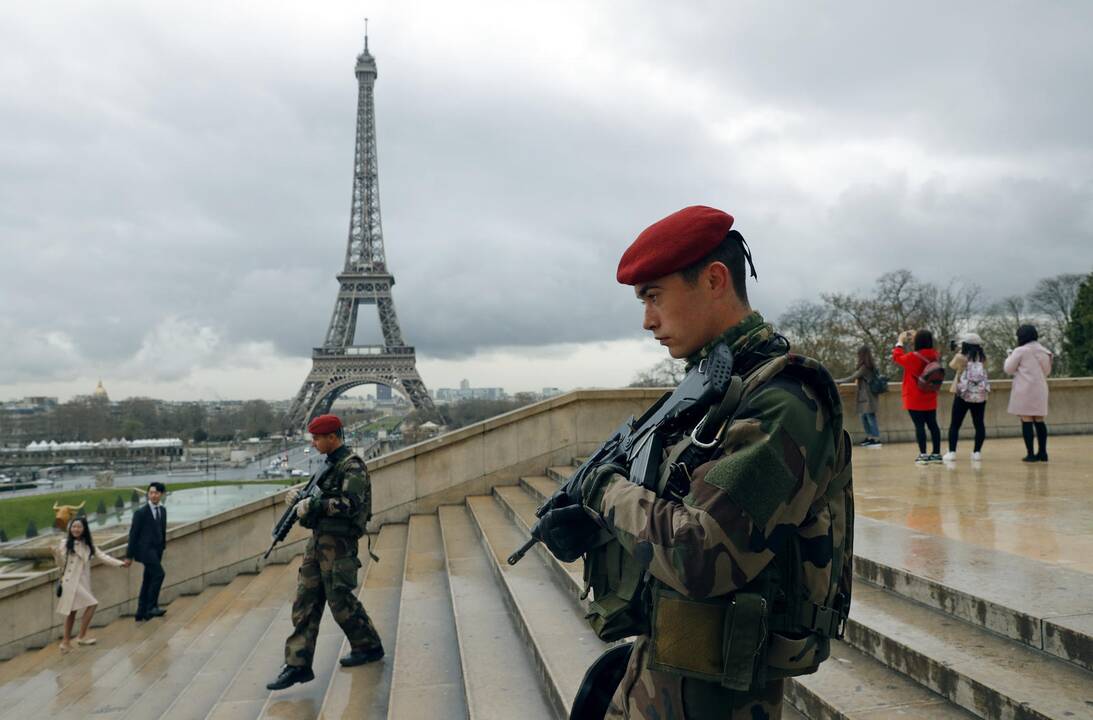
{"x":336,"y":512}
{"x":770,"y":516}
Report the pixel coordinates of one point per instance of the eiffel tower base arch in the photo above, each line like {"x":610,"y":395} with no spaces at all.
{"x":334,"y":374}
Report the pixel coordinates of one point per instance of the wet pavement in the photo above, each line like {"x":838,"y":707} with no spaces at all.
{"x":1042,"y":511}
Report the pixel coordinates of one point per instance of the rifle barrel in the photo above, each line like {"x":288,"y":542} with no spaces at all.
{"x":519,"y":554}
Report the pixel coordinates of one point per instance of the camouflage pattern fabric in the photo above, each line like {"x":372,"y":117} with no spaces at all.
{"x":343,"y":504}
{"x":328,"y":576}
{"x":647,"y":694}
{"x":781,"y":445}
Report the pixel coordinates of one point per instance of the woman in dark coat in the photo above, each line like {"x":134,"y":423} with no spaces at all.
{"x":866,"y":404}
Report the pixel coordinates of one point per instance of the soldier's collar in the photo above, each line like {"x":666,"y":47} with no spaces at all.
{"x":752,"y":330}
{"x":336,"y":455}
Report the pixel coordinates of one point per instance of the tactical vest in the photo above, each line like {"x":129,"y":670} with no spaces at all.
{"x":767,"y":629}
{"x":331,"y":486}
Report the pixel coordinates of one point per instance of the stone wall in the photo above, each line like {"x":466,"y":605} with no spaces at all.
{"x":1070,"y":411}
{"x":498,"y":451}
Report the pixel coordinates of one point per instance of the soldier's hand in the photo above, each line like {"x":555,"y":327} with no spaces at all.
{"x":570,"y":532}
{"x":303,"y":508}
{"x":292,"y":496}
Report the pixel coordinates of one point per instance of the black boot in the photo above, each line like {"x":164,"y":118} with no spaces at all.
{"x":290,"y":676}
{"x":1026,"y":431}
{"x":1041,"y":437}
{"x":360,"y":657}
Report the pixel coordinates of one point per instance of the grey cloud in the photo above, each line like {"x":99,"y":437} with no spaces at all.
{"x":153,"y":165}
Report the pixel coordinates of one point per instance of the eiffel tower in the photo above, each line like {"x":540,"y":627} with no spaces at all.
{"x":339,"y":364}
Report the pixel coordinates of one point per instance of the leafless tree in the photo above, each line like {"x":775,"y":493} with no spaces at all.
{"x":1054,"y":297}
{"x":950,"y":309}
{"x":813,"y":330}
{"x":666,"y":373}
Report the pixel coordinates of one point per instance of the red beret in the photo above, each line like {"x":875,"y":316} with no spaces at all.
{"x":681,"y":239}
{"x":324,"y":424}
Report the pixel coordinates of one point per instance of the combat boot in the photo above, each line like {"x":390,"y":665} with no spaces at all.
{"x":290,"y":676}
{"x":361,"y":657}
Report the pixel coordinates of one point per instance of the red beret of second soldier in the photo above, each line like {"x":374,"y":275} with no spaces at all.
{"x":673,"y":243}
{"x":324,"y":424}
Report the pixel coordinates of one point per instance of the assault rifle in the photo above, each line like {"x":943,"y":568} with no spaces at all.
{"x":289,"y":518}
{"x":638,"y":445}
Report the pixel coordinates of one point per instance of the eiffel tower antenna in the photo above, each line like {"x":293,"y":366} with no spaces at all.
{"x":365,"y":279}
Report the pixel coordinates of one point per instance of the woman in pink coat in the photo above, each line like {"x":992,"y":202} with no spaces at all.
{"x":1030,"y":364}
{"x":74,"y":555}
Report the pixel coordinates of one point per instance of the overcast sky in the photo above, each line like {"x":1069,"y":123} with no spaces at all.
{"x":175,"y":177}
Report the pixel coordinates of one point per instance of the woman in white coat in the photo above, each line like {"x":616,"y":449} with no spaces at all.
{"x":1030,"y":364}
{"x":74,"y":555}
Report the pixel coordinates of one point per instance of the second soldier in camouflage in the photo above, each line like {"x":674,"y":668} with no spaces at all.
{"x":336,"y":513}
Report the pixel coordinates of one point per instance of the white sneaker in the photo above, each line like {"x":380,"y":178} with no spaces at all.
{"x":949,"y":456}
{"x":922,"y":459}
{"x":977,"y":457}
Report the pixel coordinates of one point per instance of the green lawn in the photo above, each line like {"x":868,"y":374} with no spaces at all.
{"x":388,"y":423}
{"x":16,"y":512}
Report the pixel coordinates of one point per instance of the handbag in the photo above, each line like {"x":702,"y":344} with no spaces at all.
{"x":60,"y":586}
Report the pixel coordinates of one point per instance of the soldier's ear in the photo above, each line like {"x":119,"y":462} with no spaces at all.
{"x":719,"y":279}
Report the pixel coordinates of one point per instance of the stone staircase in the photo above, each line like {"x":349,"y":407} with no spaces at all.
{"x":939,"y":629}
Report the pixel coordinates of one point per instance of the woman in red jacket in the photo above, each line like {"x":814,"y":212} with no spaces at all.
{"x":920,"y":404}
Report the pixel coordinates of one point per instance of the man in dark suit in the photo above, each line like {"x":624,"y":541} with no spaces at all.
{"x":147,"y":540}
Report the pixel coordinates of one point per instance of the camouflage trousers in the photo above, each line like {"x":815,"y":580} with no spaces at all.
{"x":328,"y":576}
{"x":646,"y":694}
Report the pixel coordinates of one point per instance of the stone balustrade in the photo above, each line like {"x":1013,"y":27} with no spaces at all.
{"x":443,"y":470}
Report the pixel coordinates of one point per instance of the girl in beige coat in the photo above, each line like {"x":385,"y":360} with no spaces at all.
{"x":74,"y":555}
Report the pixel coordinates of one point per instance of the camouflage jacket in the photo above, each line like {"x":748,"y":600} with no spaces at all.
{"x":779,"y":453}
{"x":343,"y":503}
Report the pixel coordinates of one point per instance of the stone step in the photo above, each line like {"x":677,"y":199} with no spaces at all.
{"x":499,"y":679}
{"x":427,"y":681}
{"x":520,"y":504}
{"x":791,"y":713}
{"x":363,"y":692}
{"x":227,"y":644}
{"x":54,"y":681}
{"x":111,"y":692}
{"x":853,"y":686}
{"x":247,"y":696}
{"x":557,"y":636}
{"x":1044,"y":606}
{"x":540,"y":486}
{"x":156,"y":660}
{"x":561,"y":473}
{"x":989,"y":675}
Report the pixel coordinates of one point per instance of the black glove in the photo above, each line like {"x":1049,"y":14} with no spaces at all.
{"x":570,"y":532}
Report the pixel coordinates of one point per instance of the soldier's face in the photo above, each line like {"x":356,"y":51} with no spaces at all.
{"x":677,"y":312}
{"x":325,"y":443}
